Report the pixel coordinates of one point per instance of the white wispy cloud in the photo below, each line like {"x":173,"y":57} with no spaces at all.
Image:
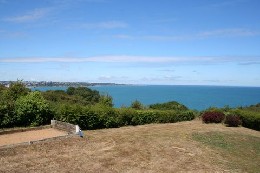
{"x":236,"y":32}
{"x":104,"y":25}
{"x":12,"y":34}
{"x":226,"y":3}
{"x":30,"y":16}
{"x":152,"y":37}
{"x":108,"y":59}
{"x":218,"y":33}
{"x":241,"y":60}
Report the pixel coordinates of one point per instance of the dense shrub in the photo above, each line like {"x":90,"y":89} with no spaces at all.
{"x":144,"y":117}
{"x":32,"y":110}
{"x":255,"y":108}
{"x":83,"y":106}
{"x":213,"y":117}
{"x":89,"y":119}
{"x":173,"y":105}
{"x":96,"y":117}
{"x":137,"y":105}
{"x":8,"y":97}
{"x":158,"y":116}
{"x":232,"y":121}
{"x":250,"y":119}
{"x":125,"y":116}
{"x":88,"y":95}
{"x":68,"y":112}
{"x":16,"y":90}
{"x":7,"y":118}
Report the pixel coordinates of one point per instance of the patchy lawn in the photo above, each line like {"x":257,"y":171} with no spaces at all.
{"x":179,"y":147}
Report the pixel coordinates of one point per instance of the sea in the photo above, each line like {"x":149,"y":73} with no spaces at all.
{"x":194,"y":97}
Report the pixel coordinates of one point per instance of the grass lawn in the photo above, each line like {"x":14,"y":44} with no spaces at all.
{"x":180,"y":147}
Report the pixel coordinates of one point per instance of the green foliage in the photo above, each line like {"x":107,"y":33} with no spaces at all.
{"x":125,"y":116}
{"x":137,"y":105}
{"x":80,"y":96}
{"x":88,"y":95}
{"x":71,"y":90}
{"x":106,"y":100}
{"x":68,"y":112}
{"x":8,"y":97}
{"x":108,"y":116}
{"x":61,"y":97}
{"x":2,"y":88}
{"x":98,"y":116}
{"x":255,"y":108}
{"x":173,"y":105}
{"x":159,"y":116}
{"x":16,"y":90}
{"x":7,"y":115}
{"x":144,"y":117}
{"x":32,"y":110}
{"x":82,"y":106}
{"x":250,"y":119}
{"x":89,"y":119}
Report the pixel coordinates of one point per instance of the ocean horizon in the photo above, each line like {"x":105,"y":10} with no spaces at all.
{"x":197,"y":97}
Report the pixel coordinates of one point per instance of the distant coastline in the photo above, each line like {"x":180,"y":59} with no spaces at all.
{"x":32,"y":84}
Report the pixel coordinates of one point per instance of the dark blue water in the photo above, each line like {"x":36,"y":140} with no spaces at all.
{"x":194,"y":97}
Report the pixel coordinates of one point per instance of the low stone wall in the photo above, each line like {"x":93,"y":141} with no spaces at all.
{"x":70,"y":128}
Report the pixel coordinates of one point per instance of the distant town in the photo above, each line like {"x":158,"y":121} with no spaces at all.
{"x":51,"y":83}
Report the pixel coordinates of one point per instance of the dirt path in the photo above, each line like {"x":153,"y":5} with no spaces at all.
{"x":27,"y":136}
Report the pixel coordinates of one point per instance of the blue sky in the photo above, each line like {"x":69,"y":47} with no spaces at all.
{"x":173,"y":42}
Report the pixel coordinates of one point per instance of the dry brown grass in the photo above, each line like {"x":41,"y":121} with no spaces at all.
{"x":148,"y":148}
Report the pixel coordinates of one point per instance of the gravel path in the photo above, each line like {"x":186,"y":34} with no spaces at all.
{"x":27,"y":136}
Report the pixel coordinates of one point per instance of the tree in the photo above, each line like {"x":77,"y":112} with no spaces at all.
{"x":15,"y":90}
{"x":173,"y":105}
{"x":71,"y":90}
{"x":106,"y":100}
{"x":8,"y":97}
{"x":137,"y":105}
{"x":32,"y":110}
{"x":88,"y":95}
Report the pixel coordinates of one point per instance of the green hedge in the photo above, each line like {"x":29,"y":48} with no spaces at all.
{"x":96,"y":117}
{"x":250,"y":119}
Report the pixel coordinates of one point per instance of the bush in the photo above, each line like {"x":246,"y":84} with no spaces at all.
{"x":144,"y":117}
{"x":213,"y":117}
{"x":32,"y":110}
{"x":68,"y":112}
{"x":88,"y":120}
{"x":7,"y":118}
{"x":96,"y":117}
{"x":125,"y":116}
{"x":137,"y":105}
{"x":108,"y":116}
{"x":250,"y":119}
{"x":232,"y":121}
{"x":173,"y":105}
